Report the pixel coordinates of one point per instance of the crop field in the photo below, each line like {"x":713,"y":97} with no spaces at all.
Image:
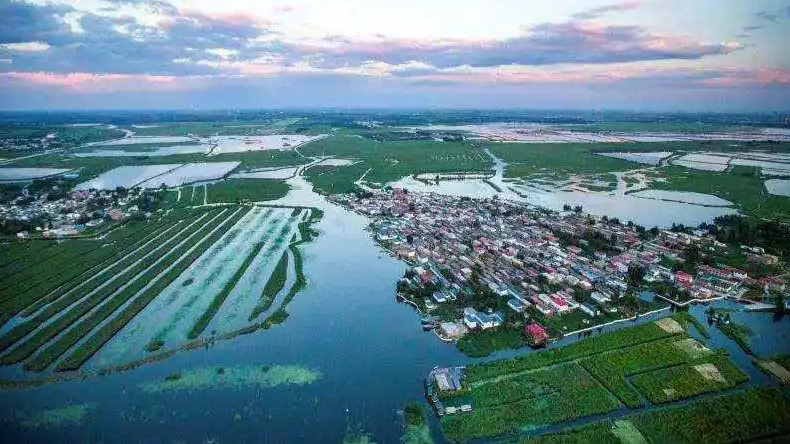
{"x":390,"y":160}
{"x":190,"y":273}
{"x":593,"y":376}
{"x":744,"y":416}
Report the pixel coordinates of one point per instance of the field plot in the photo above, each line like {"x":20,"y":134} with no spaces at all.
{"x":126,"y":176}
{"x":191,"y":172}
{"x":230,"y":144}
{"x":644,"y":158}
{"x":745,"y":416}
{"x":24,"y":174}
{"x":589,"y":377}
{"x":135,"y":140}
{"x":190,"y":272}
{"x":136,"y":150}
{"x":215,"y":294}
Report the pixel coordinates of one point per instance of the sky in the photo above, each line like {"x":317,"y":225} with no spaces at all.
{"x":680,"y":55}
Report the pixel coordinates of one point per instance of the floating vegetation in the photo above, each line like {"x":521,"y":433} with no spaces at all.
{"x":416,"y":429}
{"x":239,"y":376}
{"x":64,"y":416}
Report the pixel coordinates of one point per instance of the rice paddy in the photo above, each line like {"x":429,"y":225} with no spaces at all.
{"x":185,"y":274}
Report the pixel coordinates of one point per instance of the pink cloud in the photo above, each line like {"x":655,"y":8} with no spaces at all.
{"x":88,"y":82}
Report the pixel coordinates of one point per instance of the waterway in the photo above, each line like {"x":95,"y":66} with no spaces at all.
{"x":368,"y":351}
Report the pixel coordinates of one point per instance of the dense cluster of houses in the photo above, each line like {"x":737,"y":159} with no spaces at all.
{"x":519,"y":253}
{"x":68,"y":215}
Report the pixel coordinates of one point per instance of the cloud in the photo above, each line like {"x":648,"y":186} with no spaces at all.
{"x":546,"y":44}
{"x":600,"y":11}
{"x":767,"y":16}
{"x":22,"y":22}
{"x":117,"y":44}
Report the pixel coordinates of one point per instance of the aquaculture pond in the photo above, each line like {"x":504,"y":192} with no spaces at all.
{"x":343,"y":361}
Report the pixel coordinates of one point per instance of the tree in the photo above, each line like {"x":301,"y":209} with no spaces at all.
{"x":635,"y":276}
{"x":577,"y":209}
{"x":566,"y":207}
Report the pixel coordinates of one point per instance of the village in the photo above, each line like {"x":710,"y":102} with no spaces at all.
{"x":44,"y":209}
{"x":478,"y":265}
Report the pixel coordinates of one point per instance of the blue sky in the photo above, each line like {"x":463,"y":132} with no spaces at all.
{"x":718,"y":55}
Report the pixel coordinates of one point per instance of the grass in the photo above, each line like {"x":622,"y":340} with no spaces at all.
{"x":389,"y":160}
{"x":742,"y":186}
{"x":246,"y":190}
{"x":273,"y":286}
{"x":738,"y":333}
{"x":560,"y":159}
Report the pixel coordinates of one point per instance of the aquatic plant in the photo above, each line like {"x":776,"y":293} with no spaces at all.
{"x":68,"y":415}
{"x":237,"y":377}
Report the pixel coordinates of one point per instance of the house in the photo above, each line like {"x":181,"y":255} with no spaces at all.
{"x":474,"y":319}
{"x":684,"y":278}
{"x":23,"y":235}
{"x":537,"y":334}
{"x":516,"y":305}
{"x":600,"y":298}
{"x":590,"y":309}
{"x":115,"y":214}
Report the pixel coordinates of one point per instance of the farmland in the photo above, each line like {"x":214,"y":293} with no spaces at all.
{"x":742,"y":416}
{"x":194,"y":272}
{"x":620,"y":369}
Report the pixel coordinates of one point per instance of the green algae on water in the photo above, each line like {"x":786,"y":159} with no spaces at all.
{"x":70,"y":415}
{"x":238,"y":377}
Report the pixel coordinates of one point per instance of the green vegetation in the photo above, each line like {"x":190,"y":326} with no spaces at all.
{"x":178,"y":260}
{"x":237,"y":376}
{"x":273,"y":286}
{"x":484,"y":342}
{"x":545,"y":396}
{"x":561,"y":159}
{"x":685,"y":381}
{"x":70,"y":415}
{"x":219,"y":299}
{"x":589,"y":377}
{"x":742,"y":186}
{"x":587,"y":347}
{"x":743,"y":416}
{"x":246,"y":190}
{"x":80,"y":318}
{"x":687,"y":319}
{"x":738,"y":333}
{"x":389,"y":160}
{"x":415,"y":425}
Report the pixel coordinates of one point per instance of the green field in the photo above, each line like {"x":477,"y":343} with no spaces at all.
{"x":560,"y":160}
{"x":72,"y":297}
{"x":389,"y":161}
{"x":246,"y":190}
{"x":742,"y":186}
{"x":589,"y":377}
